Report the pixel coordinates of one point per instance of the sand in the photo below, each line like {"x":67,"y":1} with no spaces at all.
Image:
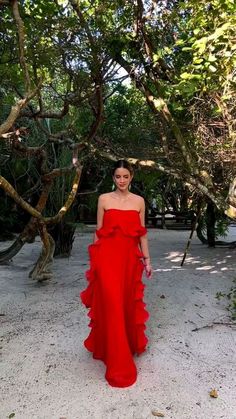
{"x":47,"y":373}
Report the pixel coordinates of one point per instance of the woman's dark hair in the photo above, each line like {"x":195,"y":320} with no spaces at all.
{"x":124,"y":164}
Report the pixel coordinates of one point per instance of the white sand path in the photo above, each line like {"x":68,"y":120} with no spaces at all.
{"x":45,"y":372}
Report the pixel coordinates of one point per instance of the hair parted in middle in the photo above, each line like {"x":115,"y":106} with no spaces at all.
{"x":122,"y":163}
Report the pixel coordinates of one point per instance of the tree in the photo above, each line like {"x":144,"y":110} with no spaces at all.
{"x":60,"y":94}
{"x":72,"y":82}
{"x":181,"y":57}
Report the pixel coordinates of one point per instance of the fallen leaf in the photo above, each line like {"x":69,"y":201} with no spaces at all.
{"x":158,"y":414}
{"x":11,"y":415}
{"x":213,"y":393}
{"x":162,"y":296}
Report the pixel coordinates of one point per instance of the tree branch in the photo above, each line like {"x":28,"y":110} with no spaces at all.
{"x":42,"y":114}
{"x":76,"y":6}
{"x":16,"y":109}
{"x":69,"y":201}
{"x":185,"y":177}
{"x":21,"y":36}
{"x":4,"y":2}
{"x":6,"y":186}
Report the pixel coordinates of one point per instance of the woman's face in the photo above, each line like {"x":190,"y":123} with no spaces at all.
{"x":122,"y":178}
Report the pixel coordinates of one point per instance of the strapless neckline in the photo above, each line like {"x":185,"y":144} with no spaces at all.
{"x":123,"y":210}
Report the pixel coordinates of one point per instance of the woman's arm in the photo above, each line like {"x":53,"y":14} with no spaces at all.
{"x":144,"y":242}
{"x":100,"y":214}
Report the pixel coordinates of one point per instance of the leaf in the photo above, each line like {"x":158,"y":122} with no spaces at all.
{"x":156,"y":57}
{"x":159,"y":103}
{"x":219,"y":31}
{"x":200,"y":44}
{"x":211,"y":58}
{"x":180,"y":42}
{"x":158,"y":414}
{"x":11,"y":415}
{"x":198,"y":60}
{"x":212,"y":68}
{"x":189,"y":76}
{"x":186,"y":48}
{"x":185,"y":76}
{"x":213,"y":393}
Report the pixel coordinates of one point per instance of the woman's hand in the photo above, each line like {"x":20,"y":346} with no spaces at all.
{"x":148,"y":268}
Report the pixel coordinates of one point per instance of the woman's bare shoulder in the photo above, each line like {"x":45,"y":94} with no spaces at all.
{"x":137,"y":198}
{"x":104,"y":197}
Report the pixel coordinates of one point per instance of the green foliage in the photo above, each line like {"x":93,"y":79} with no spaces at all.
{"x":204,"y":50}
{"x":231,"y":296}
{"x":62,"y":184}
{"x":221,"y":226}
{"x":196,"y":42}
{"x":128,"y":122}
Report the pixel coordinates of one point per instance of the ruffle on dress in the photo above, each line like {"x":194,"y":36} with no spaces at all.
{"x":124,"y":224}
{"x":128,"y":226}
{"x":87,"y":296}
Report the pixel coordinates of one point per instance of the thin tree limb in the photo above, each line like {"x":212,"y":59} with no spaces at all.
{"x":21,"y":36}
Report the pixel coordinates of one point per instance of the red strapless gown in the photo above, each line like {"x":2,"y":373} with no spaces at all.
{"x":115,"y":296}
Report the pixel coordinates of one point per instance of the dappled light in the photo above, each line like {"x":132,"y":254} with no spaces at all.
{"x":192,"y":261}
{"x":83,"y":85}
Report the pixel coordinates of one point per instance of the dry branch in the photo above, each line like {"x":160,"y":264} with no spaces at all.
{"x":16,"y":109}
{"x":6,"y":186}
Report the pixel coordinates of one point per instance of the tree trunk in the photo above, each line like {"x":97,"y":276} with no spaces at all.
{"x":42,"y":269}
{"x":63,"y":235}
{"x":210,"y":223}
{"x":199,"y":231}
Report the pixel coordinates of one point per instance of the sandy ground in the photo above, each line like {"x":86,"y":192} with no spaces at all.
{"x":47,"y":373}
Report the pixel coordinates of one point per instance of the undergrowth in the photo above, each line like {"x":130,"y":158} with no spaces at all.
{"x":231,"y":296}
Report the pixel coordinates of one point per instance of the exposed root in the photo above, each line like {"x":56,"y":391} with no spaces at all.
{"x":42,"y":269}
{"x":11,"y":251}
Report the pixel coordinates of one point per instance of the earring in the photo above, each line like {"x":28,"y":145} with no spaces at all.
{"x":129,"y":187}
{"x":113,"y":187}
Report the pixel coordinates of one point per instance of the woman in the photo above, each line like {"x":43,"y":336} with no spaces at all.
{"x":114,"y":295}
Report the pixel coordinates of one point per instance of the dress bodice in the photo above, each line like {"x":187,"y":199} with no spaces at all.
{"x":126,"y":221}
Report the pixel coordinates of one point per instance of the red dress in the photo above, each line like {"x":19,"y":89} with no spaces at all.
{"x":115,"y":296}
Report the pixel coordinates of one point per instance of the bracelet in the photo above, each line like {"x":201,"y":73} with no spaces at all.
{"x":146,"y":257}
